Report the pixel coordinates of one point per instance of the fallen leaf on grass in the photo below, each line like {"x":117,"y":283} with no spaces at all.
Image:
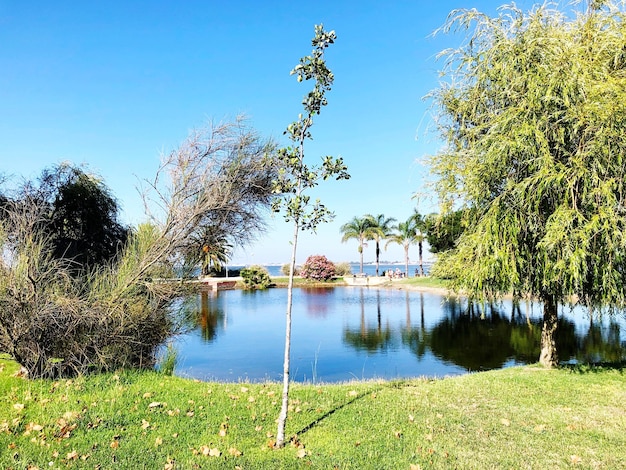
{"x":72,"y":455}
{"x":575,"y":459}
{"x":411,"y":418}
{"x":18,"y":406}
{"x":415,"y":467}
{"x":144,"y":424}
{"x":397,"y":434}
{"x":158,"y":441}
{"x":155,"y":404}
{"x":234,"y":452}
{"x":505,"y":422}
{"x":352,"y":393}
{"x":302,"y":453}
{"x":32,"y":427}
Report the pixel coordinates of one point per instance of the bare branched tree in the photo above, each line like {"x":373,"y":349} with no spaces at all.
{"x":116,"y":315}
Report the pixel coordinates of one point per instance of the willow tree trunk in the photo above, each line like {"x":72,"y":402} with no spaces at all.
{"x":548,"y":356}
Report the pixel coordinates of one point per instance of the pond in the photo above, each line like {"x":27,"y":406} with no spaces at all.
{"x":345,"y":333}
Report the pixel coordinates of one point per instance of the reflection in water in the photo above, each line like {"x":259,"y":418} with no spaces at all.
{"x":415,"y":338}
{"x":317,"y":300}
{"x":359,"y":332}
{"x":210,"y":318}
{"x":369,"y":337}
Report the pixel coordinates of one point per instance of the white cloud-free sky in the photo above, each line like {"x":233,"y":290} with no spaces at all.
{"x":114,"y":85}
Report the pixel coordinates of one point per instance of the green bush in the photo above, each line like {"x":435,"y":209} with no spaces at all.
{"x":284,"y":269}
{"x":343,"y":269}
{"x":256,"y":277}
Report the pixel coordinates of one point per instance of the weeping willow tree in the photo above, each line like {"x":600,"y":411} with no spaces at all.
{"x":533,"y":110}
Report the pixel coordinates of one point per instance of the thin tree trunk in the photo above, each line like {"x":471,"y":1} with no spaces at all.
{"x":406,"y":261}
{"x":282,"y":417}
{"x":548,"y":357}
{"x":377,"y":256}
{"x":420,"y":254}
{"x":361,"y":258}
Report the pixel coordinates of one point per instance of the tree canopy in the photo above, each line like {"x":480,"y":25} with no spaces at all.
{"x":77,"y":212}
{"x":533,"y":109}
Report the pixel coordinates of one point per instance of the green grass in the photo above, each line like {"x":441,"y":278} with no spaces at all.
{"x":523,"y":417}
{"x":426,"y":281}
{"x":282,"y":281}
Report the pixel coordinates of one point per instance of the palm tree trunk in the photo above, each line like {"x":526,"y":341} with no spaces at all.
{"x":361,"y":258}
{"x":419,"y":245}
{"x":377,"y":256}
{"x":406,"y":260}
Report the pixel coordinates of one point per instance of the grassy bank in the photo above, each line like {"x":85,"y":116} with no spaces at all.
{"x":417,"y":282}
{"x":514,"y":418}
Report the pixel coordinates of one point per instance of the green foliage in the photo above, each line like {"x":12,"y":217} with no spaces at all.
{"x":285,"y":269}
{"x":360,"y":229}
{"x":443,"y":230}
{"x":78,"y":215}
{"x":55,"y":324}
{"x":534,"y":112}
{"x":406,"y":234}
{"x":343,"y":269}
{"x":318,"y":268}
{"x":295,"y":177}
{"x":168,"y":361}
{"x":255,"y":277}
{"x":379,"y":228}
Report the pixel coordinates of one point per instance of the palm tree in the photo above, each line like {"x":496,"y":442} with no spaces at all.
{"x":380,"y":228}
{"x":420,"y":236}
{"x":405,"y":235}
{"x":357,"y":228}
{"x":211,"y":249}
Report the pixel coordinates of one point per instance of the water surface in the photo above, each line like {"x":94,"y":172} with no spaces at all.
{"x":344,"y":333}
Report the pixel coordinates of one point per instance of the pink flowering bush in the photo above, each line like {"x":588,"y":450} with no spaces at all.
{"x":318,"y":268}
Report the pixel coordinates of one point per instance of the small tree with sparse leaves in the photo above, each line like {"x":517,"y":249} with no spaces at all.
{"x":295,"y":177}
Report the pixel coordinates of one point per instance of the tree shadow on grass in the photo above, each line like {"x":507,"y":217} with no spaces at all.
{"x":329,"y":413}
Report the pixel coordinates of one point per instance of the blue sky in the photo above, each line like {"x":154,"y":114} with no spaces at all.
{"x":114,"y":85}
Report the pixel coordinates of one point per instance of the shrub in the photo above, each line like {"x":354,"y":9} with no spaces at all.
{"x":284,"y":269}
{"x":318,"y":268}
{"x":343,"y":269}
{"x":256,"y":277}
{"x":58,"y":325}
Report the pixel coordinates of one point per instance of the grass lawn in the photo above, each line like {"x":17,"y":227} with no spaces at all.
{"x":524,"y":417}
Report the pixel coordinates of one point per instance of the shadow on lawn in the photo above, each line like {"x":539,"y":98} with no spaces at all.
{"x":329,"y":413}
